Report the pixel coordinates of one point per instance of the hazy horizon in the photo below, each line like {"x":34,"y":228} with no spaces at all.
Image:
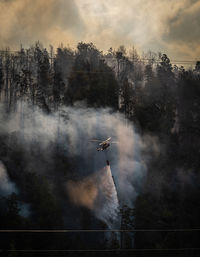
{"x":170,"y":27}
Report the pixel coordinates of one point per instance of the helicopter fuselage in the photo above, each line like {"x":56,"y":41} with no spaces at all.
{"x":103,"y":147}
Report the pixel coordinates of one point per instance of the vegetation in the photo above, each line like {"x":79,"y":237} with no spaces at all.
{"x":161,"y":100}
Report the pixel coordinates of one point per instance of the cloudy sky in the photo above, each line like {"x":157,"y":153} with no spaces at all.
{"x":170,"y":26}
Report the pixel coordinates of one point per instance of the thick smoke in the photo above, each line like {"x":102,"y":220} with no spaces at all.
{"x":61,"y":21}
{"x":72,"y":129}
{"x":166,"y":27}
{"x":6,"y":186}
{"x":83,"y":192}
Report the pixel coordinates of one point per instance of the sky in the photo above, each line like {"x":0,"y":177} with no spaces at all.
{"x":167,"y":26}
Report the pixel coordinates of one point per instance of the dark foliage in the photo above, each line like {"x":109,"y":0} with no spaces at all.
{"x":162,"y":101}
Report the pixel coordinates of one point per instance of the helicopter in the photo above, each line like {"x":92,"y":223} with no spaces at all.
{"x":104,"y":144}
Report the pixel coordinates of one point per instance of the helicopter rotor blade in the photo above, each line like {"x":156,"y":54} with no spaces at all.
{"x":95,"y":140}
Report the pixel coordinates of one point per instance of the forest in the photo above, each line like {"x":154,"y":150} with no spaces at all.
{"x":52,"y":102}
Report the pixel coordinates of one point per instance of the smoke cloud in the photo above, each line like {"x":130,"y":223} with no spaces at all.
{"x":160,"y":25}
{"x":52,"y":22}
{"x":91,"y":183}
{"x":83,"y":193}
{"x":6,"y":186}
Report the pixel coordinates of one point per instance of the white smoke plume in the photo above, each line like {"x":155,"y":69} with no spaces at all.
{"x":6,"y":186}
{"x":25,"y":209}
{"x":73,"y":128}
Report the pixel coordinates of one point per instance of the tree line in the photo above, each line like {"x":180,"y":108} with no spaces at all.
{"x":162,"y":100}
